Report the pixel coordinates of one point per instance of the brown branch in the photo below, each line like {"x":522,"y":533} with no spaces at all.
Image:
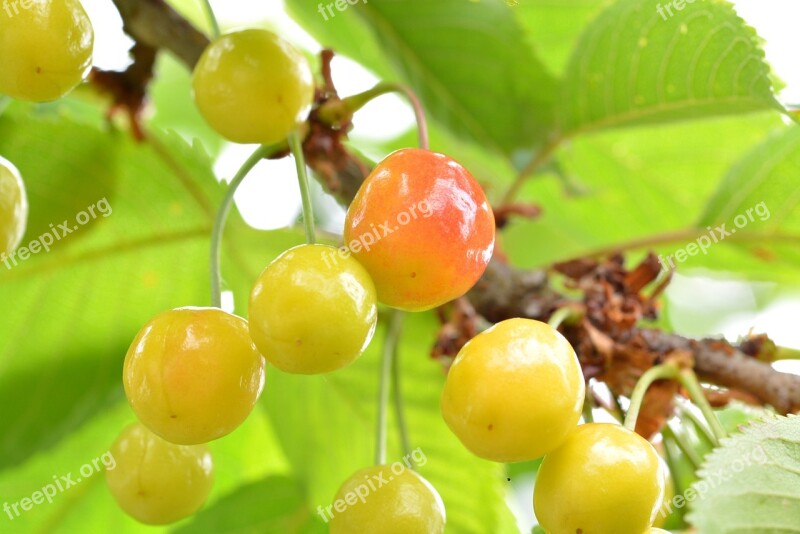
{"x":128,"y":89}
{"x":505,"y":292}
{"x":720,"y":363}
{"x":156,"y":24}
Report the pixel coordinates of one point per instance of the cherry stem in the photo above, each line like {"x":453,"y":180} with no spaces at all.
{"x":695,"y":390}
{"x":212,"y":19}
{"x":542,"y":157}
{"x":703,"y":433}
{"x":659,"y":372}
{"x":222,"y":217}
{"x":387,"y":357}
{"x":688,"y":380}
{"x":685,"y":447}
{"x":351,"y":104}
{"x":588,"y":406}
{"x":296,"y":147}
{"x":560,"y":315}
{"x":399,"y":405}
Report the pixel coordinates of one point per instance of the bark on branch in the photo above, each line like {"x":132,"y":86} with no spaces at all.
{"x":156,"y":24}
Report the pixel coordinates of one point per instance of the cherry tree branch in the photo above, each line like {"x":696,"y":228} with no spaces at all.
{"x":156,"y":24}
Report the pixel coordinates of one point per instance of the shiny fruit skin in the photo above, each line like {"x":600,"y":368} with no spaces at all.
{"x":193,"y":375}
{"x":13,"y":208}
{"x":399,"y":504}
{"x":447,"y":242}
{"x":604,"y":479}
{"x":313,"y":311}
{"x":45,"y":49}
{"x":157,"y":482}
{"x":253,"y":87}
{"x":514,"y":392}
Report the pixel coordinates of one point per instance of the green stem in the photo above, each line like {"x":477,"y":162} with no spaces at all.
{"x":561,"y":315}
{"x":689,"y":381}
{"x":212,"y":19}
{"x":659,"y":372}
{"x":588,"y":416}
{"x":399,"y":405}
{"x":703,"y":433}
{"x":685,"y":447}
{"x":387,"y":355}
{"x":296,"y":147}
{"x":542,"y":157}
{"x":619,"y":413}
{"x":222,"y":216}
{"x":672,"y":457}
{"x":337,"y":110}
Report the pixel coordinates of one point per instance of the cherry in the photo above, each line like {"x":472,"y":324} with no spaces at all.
{"x":422,"y":227}
{"x":312,"y":310}
{"x":253,"y":87}
{"x":193,"y":375}
{"x":13,"y":208}
{"x":45,"y":48}
{"x":603,"y":479}
{"x":157,"y":482}
{"x":514,"y":392}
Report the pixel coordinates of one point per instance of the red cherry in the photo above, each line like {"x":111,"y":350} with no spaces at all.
{"x":422,"y":227}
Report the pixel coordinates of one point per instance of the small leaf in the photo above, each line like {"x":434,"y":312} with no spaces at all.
{"x":752,"y":481}
{"x":634,"y":66}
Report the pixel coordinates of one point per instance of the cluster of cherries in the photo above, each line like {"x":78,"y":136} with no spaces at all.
{"x":514,"y":393}
{"x":193,"y":375}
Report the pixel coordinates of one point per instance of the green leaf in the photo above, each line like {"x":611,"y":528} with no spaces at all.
{"x":752,"y":481}
{"x":463,"y":58}
{"x":757,"y":202}
{"x":553,"y":28}
{"x":631,"y":188}
{"x":633,"y":67}
{"x":245,"y":456}
{"x":274,"y":505}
